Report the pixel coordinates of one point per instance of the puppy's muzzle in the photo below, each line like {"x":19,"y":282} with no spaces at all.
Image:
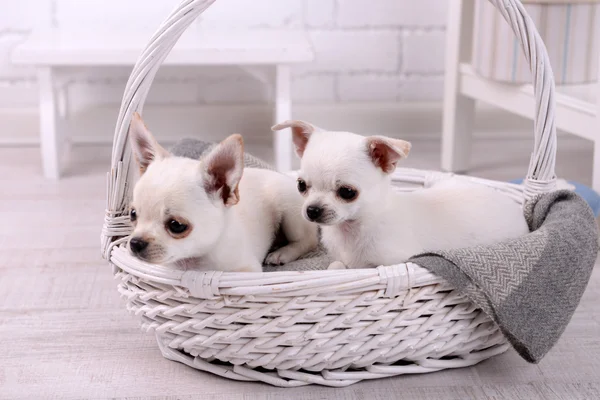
{"x":314,"y":213}
{"x":137,"y":245}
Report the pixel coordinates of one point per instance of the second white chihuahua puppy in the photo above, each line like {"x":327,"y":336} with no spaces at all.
{"x":345,"y":179}
{"x":212,"y":213}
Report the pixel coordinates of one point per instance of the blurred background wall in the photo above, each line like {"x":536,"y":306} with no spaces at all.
{"x":366,"y":50}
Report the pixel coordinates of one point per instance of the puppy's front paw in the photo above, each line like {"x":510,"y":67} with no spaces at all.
{"x":250,"y":268}
{"x":281,"y":256}
{"x":337,"y":265}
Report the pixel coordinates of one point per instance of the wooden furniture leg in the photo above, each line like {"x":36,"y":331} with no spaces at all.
{"x":49,"y":135}
{"x":459,"y":110}
{"x":282,"y":140}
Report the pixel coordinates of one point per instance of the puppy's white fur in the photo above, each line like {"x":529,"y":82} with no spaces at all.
{"x":382,"y":226}
{"x":232,"y":213}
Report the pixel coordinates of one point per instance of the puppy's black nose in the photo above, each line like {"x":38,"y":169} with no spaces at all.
{"x":137,"y":245}
{"x":313,"y":212}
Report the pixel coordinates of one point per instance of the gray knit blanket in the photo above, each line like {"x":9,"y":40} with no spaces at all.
{"x":529,"y":286}
{"x":194,"y":148}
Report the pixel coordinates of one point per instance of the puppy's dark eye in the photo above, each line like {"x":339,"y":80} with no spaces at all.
{"x":347,"y":193}
{"x":132,"y":215}
{"x":301,"y":185}
{"x":176,"y":227}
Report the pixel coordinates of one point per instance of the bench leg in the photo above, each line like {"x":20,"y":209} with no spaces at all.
{"x":458,"y":109}
{"x":49,"y":136}
{"x":62,"y":101}
{"x":283,"y":111}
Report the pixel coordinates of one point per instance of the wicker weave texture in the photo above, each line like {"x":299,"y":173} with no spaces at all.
{"x":325,"y":327}
{"x":349,"y":329}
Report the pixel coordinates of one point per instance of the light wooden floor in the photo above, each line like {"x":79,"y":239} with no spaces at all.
{"x":64,"y":332}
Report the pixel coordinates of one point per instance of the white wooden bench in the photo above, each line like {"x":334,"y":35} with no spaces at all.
{"x":577,"y":106}
{"x":51,"y":51}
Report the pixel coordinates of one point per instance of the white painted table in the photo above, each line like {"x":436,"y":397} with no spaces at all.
{"x":54,"y":51}
{"x":577,"y":106}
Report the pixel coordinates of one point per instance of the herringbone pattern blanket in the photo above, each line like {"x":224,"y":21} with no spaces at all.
{"x":529,"y":286}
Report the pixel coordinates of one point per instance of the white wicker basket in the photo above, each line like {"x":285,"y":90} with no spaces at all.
{"x":325,"y":327}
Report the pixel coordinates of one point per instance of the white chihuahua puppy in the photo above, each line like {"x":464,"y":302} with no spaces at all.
{"x":345,"y":180}
{"x":211,"y":213}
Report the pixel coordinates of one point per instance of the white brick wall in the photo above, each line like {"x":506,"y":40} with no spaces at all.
{"x":354,"y":51}
{"x":369,"y":87}
{"x":423,"y":52}
{"x":313,"y":87}
{"x":23,"y":15}
{"x":320,"y":13}
{"x":366,"y":50}
{"x":109,"y":15}
{"x":391,"y":13}
{"x":255,"y":13}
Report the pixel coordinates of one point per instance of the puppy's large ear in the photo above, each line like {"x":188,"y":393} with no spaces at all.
{"x":145,"y":148}
{"x":385,"y":152}
{"x":301,"y":132}
{"x":223,"y":169}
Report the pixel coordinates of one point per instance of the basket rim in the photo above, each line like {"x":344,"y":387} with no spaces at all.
{"x":394,"y":280}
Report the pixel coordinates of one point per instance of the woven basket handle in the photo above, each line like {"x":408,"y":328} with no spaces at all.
{"x":540,"y":177}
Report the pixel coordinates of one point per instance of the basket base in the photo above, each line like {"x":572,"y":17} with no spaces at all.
{"x":332,"y":378}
